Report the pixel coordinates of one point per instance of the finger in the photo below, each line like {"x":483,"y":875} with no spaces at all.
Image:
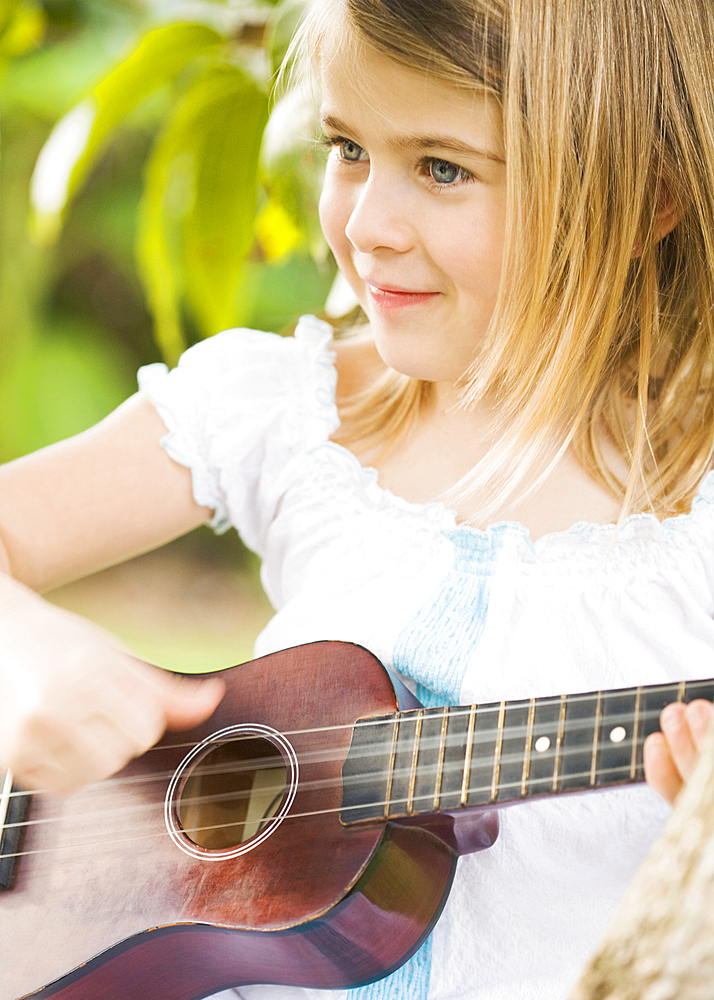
{"x":697,"y":716}
{"x":60,"y":759}
{"x":188,"y":701}
{"x":679,"y":739}
{"x":660,"y":770}
{"x":146,"y":700}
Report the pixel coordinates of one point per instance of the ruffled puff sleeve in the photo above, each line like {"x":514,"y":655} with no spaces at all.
{"x":239,"y":408}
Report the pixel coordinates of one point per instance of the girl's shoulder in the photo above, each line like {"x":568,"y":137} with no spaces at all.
{"x":358,"y":364}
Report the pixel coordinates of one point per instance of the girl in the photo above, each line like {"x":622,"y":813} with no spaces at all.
{"x":521,"y":196}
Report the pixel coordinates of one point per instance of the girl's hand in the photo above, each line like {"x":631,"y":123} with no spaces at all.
{"x":74,"y":708}
{"x":671,"y":756}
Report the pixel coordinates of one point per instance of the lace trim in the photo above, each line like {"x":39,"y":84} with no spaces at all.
{"x":638,"y":526}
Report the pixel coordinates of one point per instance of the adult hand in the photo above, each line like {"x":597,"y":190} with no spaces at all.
{"x":671,"y":756}
{"x":75,"y":708}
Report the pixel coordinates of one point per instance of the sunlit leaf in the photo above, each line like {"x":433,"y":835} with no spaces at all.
{"x":199,"y":203}
{"x":155,"y":61}
{"x":219,"y":231}
{"x":158,"y":238}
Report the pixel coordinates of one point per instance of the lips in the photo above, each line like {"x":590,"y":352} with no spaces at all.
{"x":397,"y":298}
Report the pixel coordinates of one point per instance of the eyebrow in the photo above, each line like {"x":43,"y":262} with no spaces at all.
{"x":410,"y":142}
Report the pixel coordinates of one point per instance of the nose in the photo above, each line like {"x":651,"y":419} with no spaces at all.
{"x":380,"y":218}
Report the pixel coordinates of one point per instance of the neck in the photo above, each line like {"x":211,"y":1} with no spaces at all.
{"x":445,"y":759}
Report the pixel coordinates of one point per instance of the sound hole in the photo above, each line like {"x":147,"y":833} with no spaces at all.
{"x":232,"y":793}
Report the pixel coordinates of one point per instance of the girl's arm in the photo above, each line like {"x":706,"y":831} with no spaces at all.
{"x":671,"y":756}
{"x":97,"y":499}
{"x":74,"y":707}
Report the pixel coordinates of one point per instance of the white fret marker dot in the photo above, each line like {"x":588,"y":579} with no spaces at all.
{"x":542,"y":744}
{"x":618,"y":734}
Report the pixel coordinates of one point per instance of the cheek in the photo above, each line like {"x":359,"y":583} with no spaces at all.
{"x":334,"y":216}
{"x":473,"y":253}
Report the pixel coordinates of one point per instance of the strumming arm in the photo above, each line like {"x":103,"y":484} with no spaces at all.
{"x":74,"y":707}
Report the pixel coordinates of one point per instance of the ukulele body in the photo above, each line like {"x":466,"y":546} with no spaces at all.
{"x":105,"y":904}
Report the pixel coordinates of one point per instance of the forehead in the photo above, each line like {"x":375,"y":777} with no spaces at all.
{"x":364,"y":88}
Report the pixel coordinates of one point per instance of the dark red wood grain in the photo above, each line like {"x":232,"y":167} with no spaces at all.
{"x":363,"y":937}
{"x":107,"y":893}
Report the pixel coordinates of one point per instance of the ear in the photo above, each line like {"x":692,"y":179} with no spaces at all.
{"x":667,"y":217}
{"x":668,"y":214}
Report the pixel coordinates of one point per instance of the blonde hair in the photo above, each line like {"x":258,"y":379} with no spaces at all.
{"x":603,"y":332}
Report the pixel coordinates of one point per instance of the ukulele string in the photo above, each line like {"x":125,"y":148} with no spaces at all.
{"x":427,"y":798}
{"x":326,"y":784}
{"x":480,"y":736}
{"x":461,"y":711}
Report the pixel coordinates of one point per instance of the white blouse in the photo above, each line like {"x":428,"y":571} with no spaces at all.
{"x":464,"y":616}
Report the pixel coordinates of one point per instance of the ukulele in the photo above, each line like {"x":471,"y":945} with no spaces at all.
{"x":306,"y":834}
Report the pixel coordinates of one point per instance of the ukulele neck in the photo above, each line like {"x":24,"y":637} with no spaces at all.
{"x":13,"y":805}
{"x":461,"y":757}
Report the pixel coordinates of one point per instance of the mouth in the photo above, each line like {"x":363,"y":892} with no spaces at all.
{"x":397,"y":298}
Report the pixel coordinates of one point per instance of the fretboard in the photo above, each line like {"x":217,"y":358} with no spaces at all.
{"x":441,"y":759}
{"x":13,"y":805}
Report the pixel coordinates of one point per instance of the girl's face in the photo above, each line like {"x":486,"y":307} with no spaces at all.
{"x":413,"y":207}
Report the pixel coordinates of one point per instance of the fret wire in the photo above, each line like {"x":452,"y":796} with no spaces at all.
{"x":497,"y":754}
{"x":467,"y":760}
{"x":392,"y":762}
{"x":415,"y":757}
{"x":596,"y":738}
{"x":440,"y":761}
{"x":559,"y":741}
{"x":636,"y":732}
{"x":529,"y":744}
{"x":681,"y":690}
{"x":505,"y":759}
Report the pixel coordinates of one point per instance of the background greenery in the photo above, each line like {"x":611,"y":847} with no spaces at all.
{"x":137,"y":212}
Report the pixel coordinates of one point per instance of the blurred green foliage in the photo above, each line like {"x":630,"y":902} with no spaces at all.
{"x":136,"y":213}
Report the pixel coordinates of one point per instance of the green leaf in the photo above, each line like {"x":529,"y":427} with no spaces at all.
{"x":219,"y":230}
{"x":199,"y":205}
{"x":155,"y":61}
{"x":159,"y":238}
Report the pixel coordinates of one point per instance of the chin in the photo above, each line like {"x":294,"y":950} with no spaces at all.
{"x":415,"y":364}
{"x":403,"y":361}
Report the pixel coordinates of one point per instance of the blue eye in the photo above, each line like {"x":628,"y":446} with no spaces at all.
{"x":444,"y":172}
{"x":350,"y":151}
